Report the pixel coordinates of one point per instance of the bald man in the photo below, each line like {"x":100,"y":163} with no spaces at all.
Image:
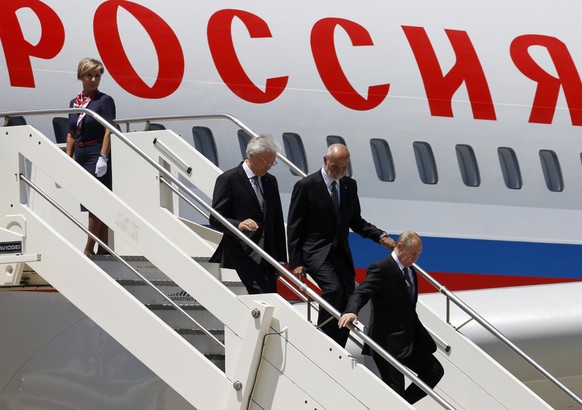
{"x":324,"y":207}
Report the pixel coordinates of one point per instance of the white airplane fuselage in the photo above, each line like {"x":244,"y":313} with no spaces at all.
{"x":438,"y":74}
{"x":500,"y":79}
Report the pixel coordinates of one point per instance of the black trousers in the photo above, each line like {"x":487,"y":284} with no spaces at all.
{"x":336,"y":280}
{"x":420,"y":361}
{"x":257,"y":278}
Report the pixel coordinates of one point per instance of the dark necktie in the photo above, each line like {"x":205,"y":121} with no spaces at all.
{"x":258,"y":192}
{"x":257,"y":188}
{"x":335,"y":197}
{"x":409,"y":278}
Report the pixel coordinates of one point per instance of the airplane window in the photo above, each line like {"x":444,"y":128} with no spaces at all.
{"x":336,"y":139}
{"x":295,"y":151}
{"x":16,"y":120}
{"x":509,"y":168}
{"x":60,"y":125}
{"x":468,"y":165}
{"x":154,"y":126}
{"x":425,"y":162}
{"x":243,"y":140}
{"x":552,"y":170}
{"x":204,"y":142}
{"x":382,"y":159}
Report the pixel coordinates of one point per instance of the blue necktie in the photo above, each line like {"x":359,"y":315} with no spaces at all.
{"x":335,"y":197}
{"x":409,"y":277}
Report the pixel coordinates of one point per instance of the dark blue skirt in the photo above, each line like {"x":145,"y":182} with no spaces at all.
{"x":87,"y":157}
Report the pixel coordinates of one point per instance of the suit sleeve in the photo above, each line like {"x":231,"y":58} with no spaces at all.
{"x":423,"y":337}
{"x":359,"y":224}
{"x":298,"y":208}
{"x":364,"y":292}
{"x":108,"y":108}
{"x":72,"y":125}
{"x":279,"y":225}
{"x":223,"y":203}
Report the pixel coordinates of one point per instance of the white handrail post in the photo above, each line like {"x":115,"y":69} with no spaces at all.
{"x":245,"y":369}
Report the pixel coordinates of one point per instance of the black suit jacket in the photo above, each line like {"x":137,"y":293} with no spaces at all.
{"x":235,"y":199}
{"x":394,"y":323}
{"x":312,"y":225}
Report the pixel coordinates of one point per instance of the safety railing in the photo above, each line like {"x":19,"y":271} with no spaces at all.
{"x":197,"y":117}
{"x":309,"y":299}
{"x":451,"y":297}
{"x":284,"y":273}
{"x":81,"y":226}
{"x":286,"y":278}
{"x":176,"y":159}
{"x":118,"y":257}
{"x":280,"y":269}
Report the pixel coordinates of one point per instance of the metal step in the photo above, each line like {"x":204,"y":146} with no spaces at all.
{"x":159,"y":305}
{"x":201,"y":341}
{"x":173,"y":318}
{"x":146,"y":294}
{"x":217,"y":359}
{"x":142,"y":291}
{"x":118,"y":271}
{"x":190,"y":332}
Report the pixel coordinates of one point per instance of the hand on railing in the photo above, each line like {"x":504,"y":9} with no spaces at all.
{"x":347,"y":319}
{"x":299,"y":272}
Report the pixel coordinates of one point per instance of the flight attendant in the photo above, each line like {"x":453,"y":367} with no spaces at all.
{"x":88,"y":142}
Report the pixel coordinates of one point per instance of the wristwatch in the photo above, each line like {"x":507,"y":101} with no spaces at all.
{"x":382,"y":236}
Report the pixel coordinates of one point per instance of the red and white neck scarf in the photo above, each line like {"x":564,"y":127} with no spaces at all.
{"x":81,"y":101}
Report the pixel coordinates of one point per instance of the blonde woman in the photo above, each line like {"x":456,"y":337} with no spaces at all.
{"x":88,"y":141}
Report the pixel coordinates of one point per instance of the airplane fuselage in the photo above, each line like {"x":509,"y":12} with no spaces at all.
{"x":421,"y":78}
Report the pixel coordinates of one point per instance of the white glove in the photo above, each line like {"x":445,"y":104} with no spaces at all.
{"x":101,"y":167}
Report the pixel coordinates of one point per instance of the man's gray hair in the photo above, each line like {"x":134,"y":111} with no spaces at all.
{"x":262,"y":143}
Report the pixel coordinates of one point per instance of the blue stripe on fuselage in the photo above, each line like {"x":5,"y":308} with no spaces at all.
{"x":478,"y":256}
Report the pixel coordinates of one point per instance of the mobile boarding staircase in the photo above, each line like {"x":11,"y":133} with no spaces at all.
{"x":272,"y":357}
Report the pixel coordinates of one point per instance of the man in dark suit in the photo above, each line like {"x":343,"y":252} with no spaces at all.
{"x":248,"y":197}
{"x":391,"y":284}
{"x":324,"y":206}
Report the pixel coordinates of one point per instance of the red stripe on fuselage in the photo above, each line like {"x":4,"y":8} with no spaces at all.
{"x":473,"y":281}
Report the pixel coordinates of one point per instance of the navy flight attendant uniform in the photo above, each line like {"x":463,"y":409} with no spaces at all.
{"x":89,"y":136}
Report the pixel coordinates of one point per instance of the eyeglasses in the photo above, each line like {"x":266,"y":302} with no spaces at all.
{"x":267,"y":163}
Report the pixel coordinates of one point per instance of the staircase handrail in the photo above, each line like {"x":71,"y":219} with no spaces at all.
{"x":119,"y":258}
{"x":488,"y":326}
{"x":290,"y":277}
{"x":214,"y":116}
{"x":235,"y":231}
{"x":89,"y":233}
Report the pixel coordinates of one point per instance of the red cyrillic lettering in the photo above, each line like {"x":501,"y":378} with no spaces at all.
{"x":441,"y":88}
{"x":167,"y":45}
{"x":227,"y":63}
{"x":546,"y":97}
{"x":17,"y":50}
{"x":330,"y":69}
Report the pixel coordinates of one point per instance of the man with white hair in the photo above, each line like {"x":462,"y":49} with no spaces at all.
{"x":248,"y":197}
